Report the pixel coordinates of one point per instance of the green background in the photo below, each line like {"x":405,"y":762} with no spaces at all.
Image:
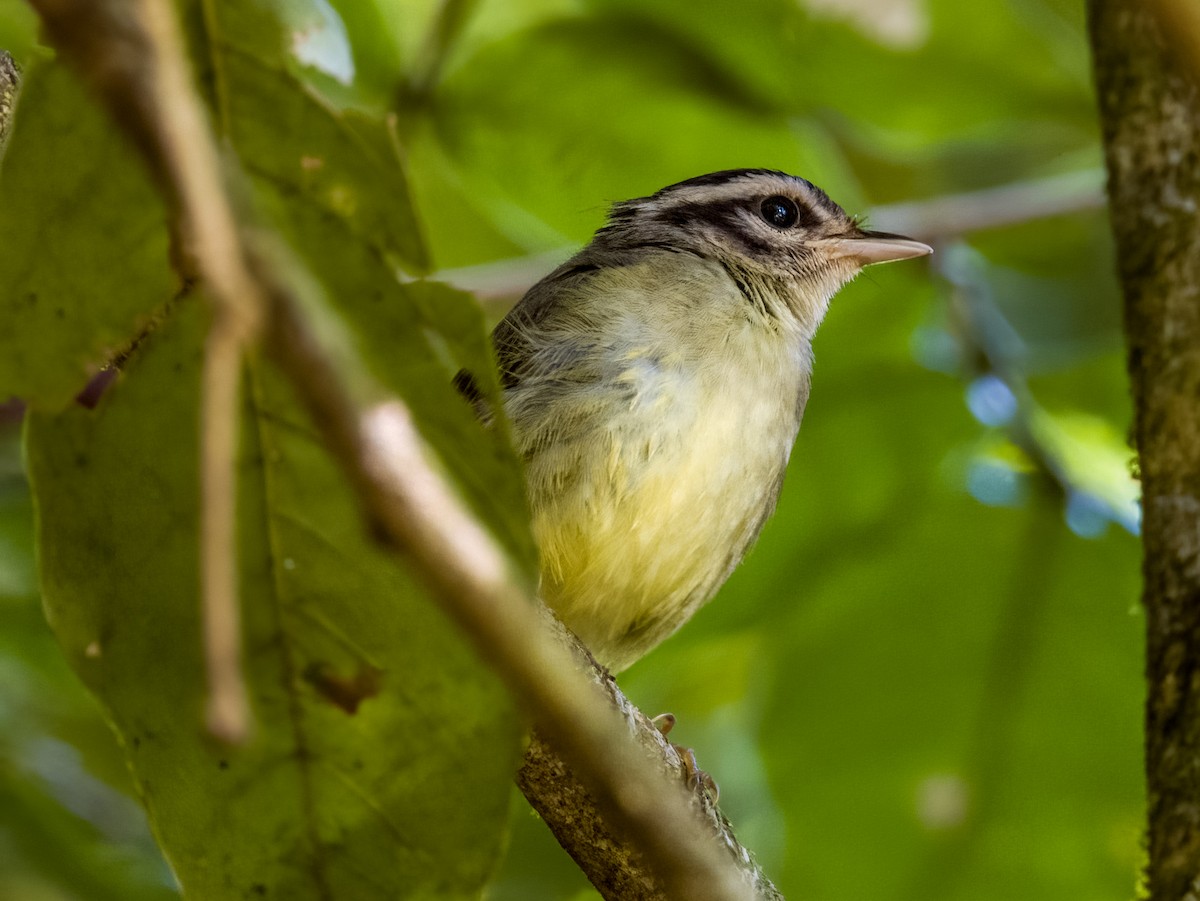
{"x":924,"y":683}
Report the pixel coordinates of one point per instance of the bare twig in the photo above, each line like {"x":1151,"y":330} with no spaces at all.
{"x":954,"y":215}
{"x":504,"y":279}
{"x":210,"y":231}
{"x":132,"y":55}
{"x":228,"y":709}
{"x":981,"y":325}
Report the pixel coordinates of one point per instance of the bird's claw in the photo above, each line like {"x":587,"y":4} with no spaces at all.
{"x":696,"y":778}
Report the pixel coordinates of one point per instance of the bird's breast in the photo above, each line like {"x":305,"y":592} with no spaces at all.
{"x":641,"y":516}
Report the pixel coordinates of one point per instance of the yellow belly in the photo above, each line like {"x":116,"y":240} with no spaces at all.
{"x":655,"y":417}
{"x":640,"y":524}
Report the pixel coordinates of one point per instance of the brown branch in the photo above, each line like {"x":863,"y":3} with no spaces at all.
{"x":1150,"y":114}
{"x":132,"y":55}
{"x":614,"y":866}
{"x":228,"y":709}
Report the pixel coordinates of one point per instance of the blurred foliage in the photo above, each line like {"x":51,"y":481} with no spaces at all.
{"x":924,"y":683}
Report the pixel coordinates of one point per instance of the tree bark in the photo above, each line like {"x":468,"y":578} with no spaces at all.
{"x":612,"y":863}
{"x":9,"y":79}
{"x":1150,"y":113}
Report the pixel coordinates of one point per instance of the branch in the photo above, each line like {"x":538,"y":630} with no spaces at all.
{"x":132,"y":55}
{"x":958,"y":214}
{"x":1150,"y":114}
{"x":502,"y":280}
{"x":982,"y":329}
{"x":614,"y":866}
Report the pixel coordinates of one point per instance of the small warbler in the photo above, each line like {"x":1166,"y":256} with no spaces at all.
{"x":655,"y":383}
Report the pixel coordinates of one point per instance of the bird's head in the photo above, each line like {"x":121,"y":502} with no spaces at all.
{"x":780,"y":236}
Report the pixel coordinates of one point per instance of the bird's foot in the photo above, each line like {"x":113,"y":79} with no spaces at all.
{"x":696,"y":778}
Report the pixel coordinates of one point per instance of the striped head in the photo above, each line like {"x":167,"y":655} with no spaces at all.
{"x":778,"y":235}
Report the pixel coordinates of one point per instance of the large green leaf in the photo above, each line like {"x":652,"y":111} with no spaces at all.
{"x":52,"y":837}
{"x":414,"y":336}
{"x":84,"y":260}
{"x":382,"y":754}
{"x":382,"y":757}
{"x":345,"y":165}
{"x":334,"y":183}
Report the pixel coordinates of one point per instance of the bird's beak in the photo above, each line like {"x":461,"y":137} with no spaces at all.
{"x":867,"y":248}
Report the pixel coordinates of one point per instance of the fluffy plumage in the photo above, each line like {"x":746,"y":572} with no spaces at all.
{"x":656,"y":382}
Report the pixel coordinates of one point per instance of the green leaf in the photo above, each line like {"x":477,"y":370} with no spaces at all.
{"x":414,"y":337}
{"x":85,"y":251}
{"x":344,"y":164}
{"x":381,"y":762}
{"x":334,"y":184}
{"x":59,"y":826}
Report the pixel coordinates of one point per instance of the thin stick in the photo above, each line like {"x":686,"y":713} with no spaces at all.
{"x":211,"y":231}
{"x":227,"y":710}
{"x":133,"y":55}
{"x":952,"y":215}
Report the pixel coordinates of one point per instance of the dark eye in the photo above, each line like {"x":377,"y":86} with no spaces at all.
{"x":780,"y":212}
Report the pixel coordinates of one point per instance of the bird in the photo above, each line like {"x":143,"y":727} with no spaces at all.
{"x":655,"y":383}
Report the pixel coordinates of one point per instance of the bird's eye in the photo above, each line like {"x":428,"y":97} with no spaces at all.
{"x":780,"y":212}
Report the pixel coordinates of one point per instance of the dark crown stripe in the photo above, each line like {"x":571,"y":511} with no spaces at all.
{"x":724,"y":177}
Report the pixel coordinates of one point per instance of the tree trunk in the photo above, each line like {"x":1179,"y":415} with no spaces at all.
{"x":1150,"y":111}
